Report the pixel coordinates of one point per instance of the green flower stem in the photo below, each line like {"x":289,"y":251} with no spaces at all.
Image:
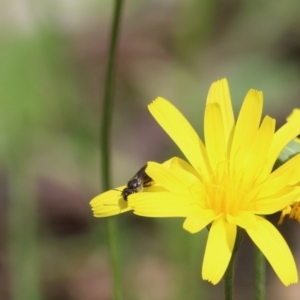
{"x":228,"y":281}
{"x":105,"y":132}
{"x":260,"y":275}
{"x":228,"y":278}
{"x":108,"y":97}
{"x":115,"y":257}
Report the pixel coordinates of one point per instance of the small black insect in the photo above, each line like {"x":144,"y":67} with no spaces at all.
{"x":136,"y":184}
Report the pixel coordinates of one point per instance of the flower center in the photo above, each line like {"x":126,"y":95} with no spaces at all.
{"x":225,"y":194}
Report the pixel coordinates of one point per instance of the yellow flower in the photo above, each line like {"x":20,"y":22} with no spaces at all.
{"x":228,"y":182}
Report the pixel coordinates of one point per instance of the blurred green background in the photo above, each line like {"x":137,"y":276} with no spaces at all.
{"x":53,"y":56}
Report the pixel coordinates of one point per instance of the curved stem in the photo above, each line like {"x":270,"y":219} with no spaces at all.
{"x":106,"y":117}
{"x":260,"y":275}
{"x":105,"y":134}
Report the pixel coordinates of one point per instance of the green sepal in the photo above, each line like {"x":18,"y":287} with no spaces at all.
{"x":291,"y":149}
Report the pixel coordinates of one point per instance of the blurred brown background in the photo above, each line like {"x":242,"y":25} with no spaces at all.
{"x":52,"y":61}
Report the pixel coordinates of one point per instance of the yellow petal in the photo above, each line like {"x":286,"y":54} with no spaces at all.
{"x":294,"y":115}
{"x":109,"y":203}
{"x":273,"y":246}
{"x":276,"y":202}
{"x":218,"y":251}
{"x":289,"y":170}
{"x":182,"y":133}
{"x":215,"y":140}
{"x":257,"y":156}
{"x":175,"y":180}
{"x":168,"y":162}
{"x":219,"y":93}
{"x":282,"y":137}
{"x":246,"y":127}
{"x":244,"y":219}
{"x":198,"y":218}
{"x":287,"y":174}
{"x":177,"y":163}
{"x":160,"y":204}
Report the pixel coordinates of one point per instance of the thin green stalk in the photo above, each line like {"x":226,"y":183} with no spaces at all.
{"x":105,"y":132}
{"x":228,"y":281}
{"x":106,"y":118}
{"x":229,"y":275}
{"x":260,"y":275}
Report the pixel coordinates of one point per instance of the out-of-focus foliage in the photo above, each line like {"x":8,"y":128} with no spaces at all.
{"x":52,"y":62}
